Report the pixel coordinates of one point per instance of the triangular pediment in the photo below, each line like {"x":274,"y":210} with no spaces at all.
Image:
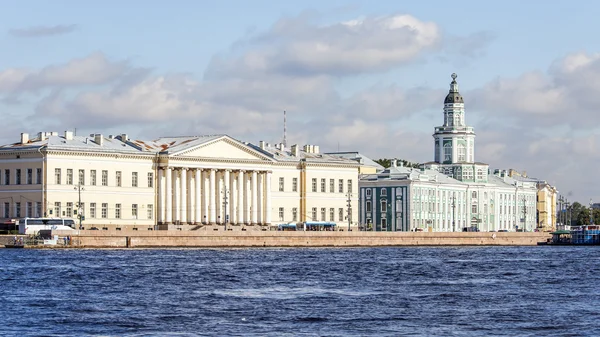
{"x":223,"y":148}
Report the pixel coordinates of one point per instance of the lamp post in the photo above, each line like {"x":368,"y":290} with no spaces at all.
{"x":453,"y":212}
{"x":225,"y":202}
{"x":79,"y":188}
{"x":349,"y":204}
{"x":524,"y":214}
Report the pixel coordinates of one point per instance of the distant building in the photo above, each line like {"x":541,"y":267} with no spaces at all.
{"x":547,"y":198}
{"x":451,"y":193}
{"x":367,"y":165}
{"x":185,"y":182}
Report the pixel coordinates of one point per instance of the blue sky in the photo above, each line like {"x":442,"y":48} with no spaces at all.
{"x":151,"y":68}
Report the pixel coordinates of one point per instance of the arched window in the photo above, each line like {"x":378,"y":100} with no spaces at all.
{"x":448,"y":152}
{"x":462,"y":152}
{"x":474,"y":194}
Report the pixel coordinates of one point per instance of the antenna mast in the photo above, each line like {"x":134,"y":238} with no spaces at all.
{"x":284,"y":130}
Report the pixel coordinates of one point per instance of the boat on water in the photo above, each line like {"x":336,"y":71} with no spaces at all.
{"x":12,"y":245}
{"x":577,"y":236}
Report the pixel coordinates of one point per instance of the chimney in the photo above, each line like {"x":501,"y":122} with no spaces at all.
{"x":261,"y":144}
{"x":98,"y":139}
{"x":24,"y":138}
{"x":306,"y":148}
{"x":124,"y":137}
{"x":394,"y":162}
{"x":524,"y":174}
{"x":69,"y":135}
{"x":53,"y":133}
{"x":401,"y":163}
{"x":295,"y":150}
{"x":316,"y":149}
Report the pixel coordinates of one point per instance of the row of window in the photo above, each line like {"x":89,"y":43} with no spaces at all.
{"x":69,"y":210}
{"x":315,"y":186}
{"x":18,"y":176}
{"x":104,"y":178}
{"x":314,"y":214}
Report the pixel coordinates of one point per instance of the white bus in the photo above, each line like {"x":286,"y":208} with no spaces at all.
{"x":34,"y":225}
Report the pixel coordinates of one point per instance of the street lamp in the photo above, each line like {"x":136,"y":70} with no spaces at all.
{"x":79,"y":188}
{"x":524,"y":214}
{"x":349,"y":204}
{"x":225,"y":202}
{"x":454,"y":212}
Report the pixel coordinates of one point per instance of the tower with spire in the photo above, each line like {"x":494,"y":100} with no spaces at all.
{"x":454,"y":142}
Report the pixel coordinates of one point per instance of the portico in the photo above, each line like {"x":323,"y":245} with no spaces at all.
{"x":204,"y":195}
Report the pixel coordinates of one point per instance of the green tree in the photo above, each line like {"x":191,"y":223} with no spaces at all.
{"x":388,"y":162}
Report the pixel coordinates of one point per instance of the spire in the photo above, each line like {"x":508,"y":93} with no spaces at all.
{"x":453,"y":95}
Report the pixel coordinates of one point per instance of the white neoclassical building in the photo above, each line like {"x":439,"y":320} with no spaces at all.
{"x":174,"y":181}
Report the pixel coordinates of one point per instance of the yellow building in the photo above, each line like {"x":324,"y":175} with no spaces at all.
{"x":547,"y":198}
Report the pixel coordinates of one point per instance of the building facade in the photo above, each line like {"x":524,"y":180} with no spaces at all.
{"x":174,"y":182}
{"x":452,"y":193}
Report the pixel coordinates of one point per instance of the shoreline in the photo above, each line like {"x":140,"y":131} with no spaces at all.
{"x":284,"y":239}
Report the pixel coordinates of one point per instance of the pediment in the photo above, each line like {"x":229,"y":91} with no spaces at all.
{"x":223,"y":148}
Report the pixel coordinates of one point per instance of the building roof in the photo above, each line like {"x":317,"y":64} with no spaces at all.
{"x":453,"y":95}
{"x":357,"y":156}
{"x":308,"y":153}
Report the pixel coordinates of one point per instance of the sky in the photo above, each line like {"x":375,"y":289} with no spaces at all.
{"x":367,"y":76}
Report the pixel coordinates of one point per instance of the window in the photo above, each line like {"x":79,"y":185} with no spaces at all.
{"x":384,"y":224}
{"x":332,"y":214}
{"x":118,"y":178}
{"x":294,"y":184}
{"x":57,"y":209}
{"x":281,"y":181}
{"x":134,"y":211}
{"x":17,"y":209}
{"x":473,"y":209}
{"x":462,"y":152}
{"x":368,"y":192}
{"x":118,"y":211}
{"x":18,"y":176}
{"x":29,"y":209}
{"x":69,"y":209}
{"x":383,"y":192}
{"x":280,"y":213}
{"x":448,"y":152}
{"x":92,"y":209}
{"x":323,"y":186}
{"x":323,"y":211}
{"x":104,"y":178}
{"x":474,"y":194}
{"x":69,"y":176}
{"x":314,"y":214}
{"x":104,"y":210}
{"x":134,"y":179}
{"x":7,"y":177}
{"x":341,"y":186}
{"x":6,"y":210}
{"x":383,"y":205}
{"x":150,"y":211}
{"x":314,"y":184}
{"x":150,"y":179}
{"x":341,"y":214}
{"x":93,"y":177}
{"x":349,"y":185}
{"x":29,"y":176}
{"x":38,"y":176}
{"x":81,"y":177}
{"x":295,"y":214}
{"x":38,"y":209}
{"x":368,"y":205}
{"x":331,"y":185}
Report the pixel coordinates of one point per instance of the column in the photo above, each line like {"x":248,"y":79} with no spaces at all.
{"x":205,"y":196}
{"x":268,"y":198}
{"x":211,"y":189}
{"x":161,"y":198}
{"x":260,"y":189}
{"x":240,"y":197}
{"x":233,"y":199}
{"x":191,"y":196}
{"x":183,"y":198}
{"x":176,"y":196}
{"x":247,"y":198}
{"x":219,"y":197}
{"x":226,"y":197}
{"x":197,"y":200}
{"x":168,"y":196}
{"x":254,"y":191}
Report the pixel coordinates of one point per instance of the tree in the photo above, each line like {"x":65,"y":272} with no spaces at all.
{"x":388,"y":162}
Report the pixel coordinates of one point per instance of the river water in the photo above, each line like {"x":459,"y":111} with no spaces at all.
{"x":417,"y":291}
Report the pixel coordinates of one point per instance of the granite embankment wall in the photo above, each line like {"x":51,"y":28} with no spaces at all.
{"x":155,"y":239}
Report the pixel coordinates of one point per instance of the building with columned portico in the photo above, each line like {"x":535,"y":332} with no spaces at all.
{"x":174,"y":182}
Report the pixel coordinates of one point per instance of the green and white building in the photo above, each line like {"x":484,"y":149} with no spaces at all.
{"x":450,"y":193}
